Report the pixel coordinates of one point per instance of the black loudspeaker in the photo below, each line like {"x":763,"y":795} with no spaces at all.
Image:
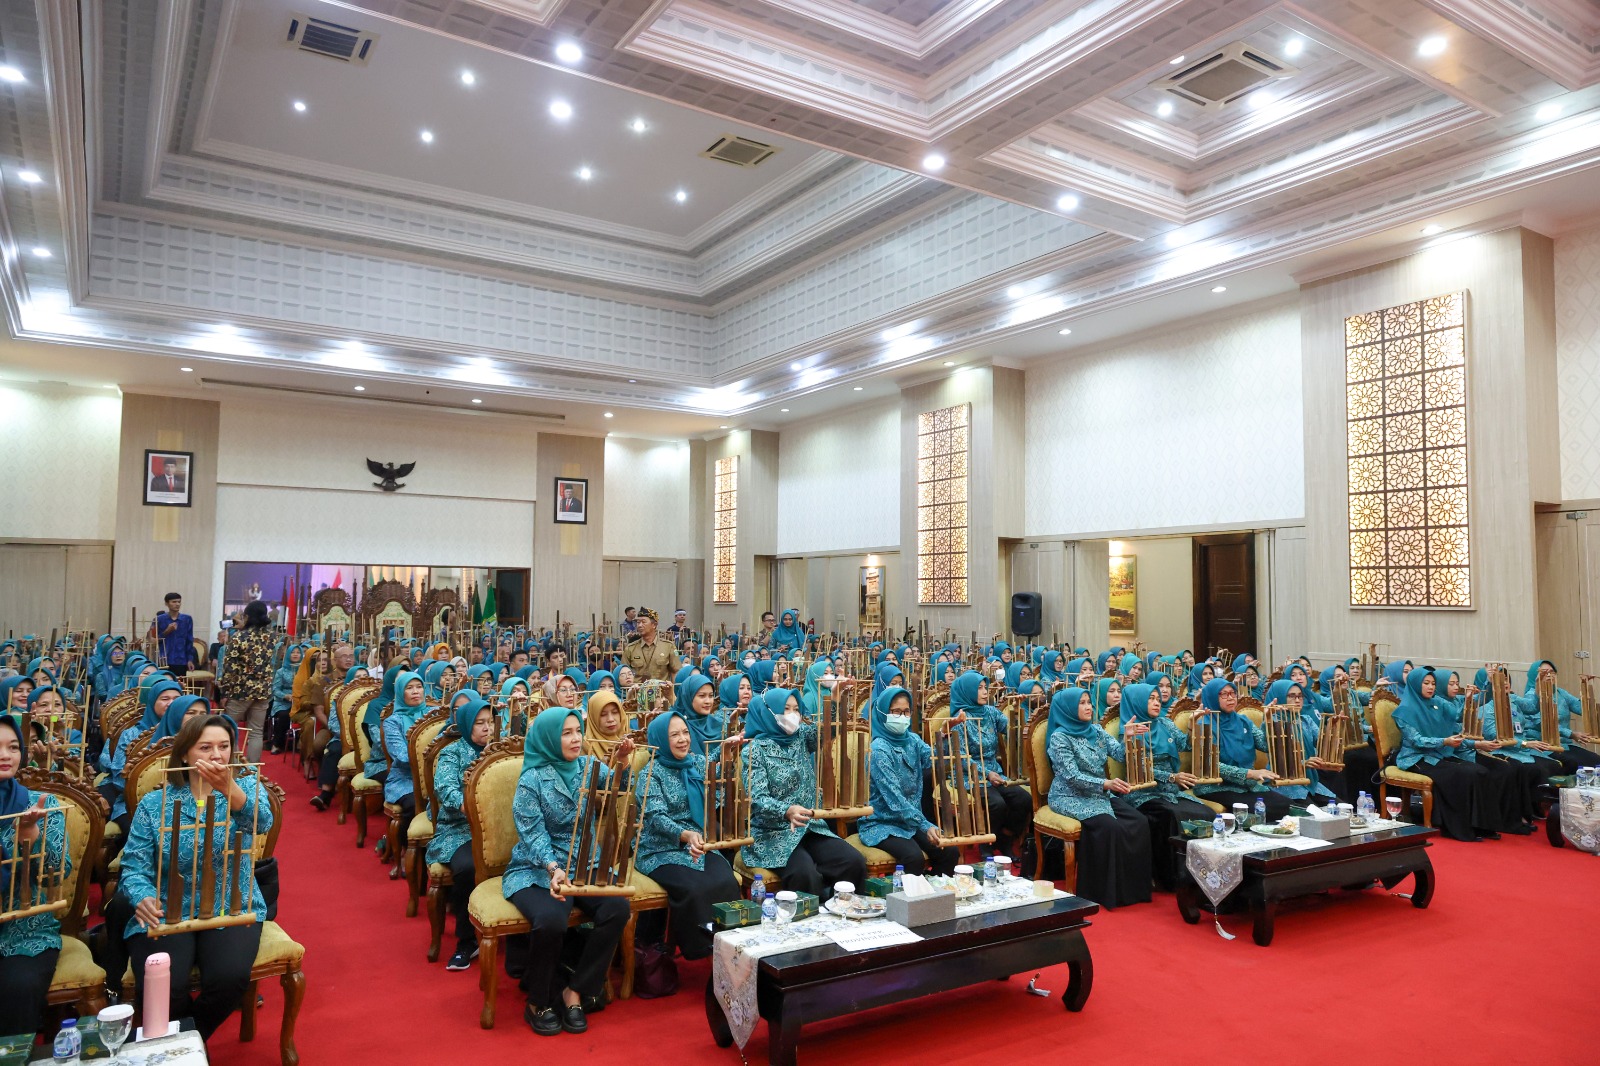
{"x":1026,"y":612}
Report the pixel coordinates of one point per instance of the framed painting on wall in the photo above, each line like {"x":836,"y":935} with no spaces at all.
{"x":167,"y":478}
{"x":1124,"y":594}
{"x":572,"y":500}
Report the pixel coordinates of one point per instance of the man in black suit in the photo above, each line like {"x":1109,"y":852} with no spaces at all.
{"x":169,"y":480}
{"x":570,"y":503}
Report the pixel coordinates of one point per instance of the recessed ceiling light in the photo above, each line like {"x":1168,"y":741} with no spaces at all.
{"x":856,"y":389}
{"x":187,"y":369}
{"x":1064,"y":332}
{"x":569,"y":52}
{"x":11,"y":74}
{"x":29,"y":177}
{"x":933,"y":161}
{"x":1432,"y":46}
{"x":1294,"y":46}
{"x":299,"y":105}
{"x":1068,"y":202}
{"x":476,"y":400}
{"x":468,"y":78}
{"x":1547,"y":112}
{"x":1219,"y":288}
{"x":560,"y":110}
{"x":427,"y":136}
{"x":1258,"y":100}
{"x":584,"y":173}
{"x":638,"y":125}
{"x":722,"y":427}
{"x":41,"y":252}
{"x":1432,"y":230}
{"x":949,"y":362}
{"x":1164,"y":109}
{"x":1174,"y":61}
{"x":361,"y":388}
{"x":682,"y":196}
{"x":608,"y":414}
{"x":633,"y":381}
{"x":783,"y":410}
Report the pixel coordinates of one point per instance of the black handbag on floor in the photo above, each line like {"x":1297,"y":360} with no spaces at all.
{"x":655,"y":974}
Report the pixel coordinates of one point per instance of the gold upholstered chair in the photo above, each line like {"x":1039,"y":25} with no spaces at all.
{"x":1386,"y":738}
{"x":78,"y":982}
{"x":350,"y":706}
{"x":1048,"y":822}
{"x":437,"y":874}
{"x":419,"y":833}
{"x":362,"y":791}
{"x":486,"y":799}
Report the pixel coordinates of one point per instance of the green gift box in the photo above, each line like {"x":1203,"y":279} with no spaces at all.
{"x":879,"y":886}
{"x":806,"y":905}
{"x":735,"y":914}
{"x":1196,"y":830}
{"x":93,"y":1046}
{"x":14,"y":1049}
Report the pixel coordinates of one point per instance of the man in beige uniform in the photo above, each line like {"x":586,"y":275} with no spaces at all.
{"x":651,"y":656}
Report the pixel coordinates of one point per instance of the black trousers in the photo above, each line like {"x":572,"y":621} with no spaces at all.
{"x":24,"y":986}
{"x":408,"y":811}
{"x":1010,"y":813}
{"x":1277,"y":806}
{"x":542,"y":977}
{"x":1165,"y":816}
{"x":1468,"y":799}
{"x":1114,"y":857}
{"x":690,"y":894}
{"x":1574,"y":757}
{"x":328,"y":772}
{"x":919,"y":854}
{"x":224,"y":957}
{"x":463,"y":878}
{"x":1360,"y":773}
{"x":818,"y":861}
{"x":1530,"y":775}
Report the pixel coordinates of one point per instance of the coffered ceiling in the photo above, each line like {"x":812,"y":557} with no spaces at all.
{"x":509,"y":197}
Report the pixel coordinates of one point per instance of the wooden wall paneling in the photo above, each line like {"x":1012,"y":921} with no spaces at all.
{"x":1089,"y":592}
{"x":88,"y":587}
{"x":568,"y":559}
{"x":34,"y":577}
{"x":758,"y":523}
{"x":1559,"y":544}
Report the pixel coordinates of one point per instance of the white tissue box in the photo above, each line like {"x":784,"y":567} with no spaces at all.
{"x":1330,"y":828}
{"x":912,"y":911}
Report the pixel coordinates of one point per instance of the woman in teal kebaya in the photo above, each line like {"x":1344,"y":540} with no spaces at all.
{"x":897,"y":766}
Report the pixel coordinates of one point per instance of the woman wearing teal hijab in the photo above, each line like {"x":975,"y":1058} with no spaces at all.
{"x":1568,"y":707}
{"x":781,"y":777}
{"x":788,"y":633}
{"x":1238,"y":740}
{"x":1010,"y":806}
{"x":1530,"y":760}
{"x":410,"y":704}
{"x":1114,"y":849}
{"x":697,"y":702}
{"x":1516,"y":782}
{"x":898,"y":766}
{"x":155,"y":696}
{"x":1467,"y":801}
{"x":1169,"y":803}
{"x":474,"y":726}
{"x":545,"y":810}
{"x":671,"y":848}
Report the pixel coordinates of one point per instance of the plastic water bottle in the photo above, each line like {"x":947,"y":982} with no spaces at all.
{"x":899,"y":878}
{"x":1217,"y":826}
{"x":758,"y":890}
{"x":769,"y":909}
{"x":69,"y":1042}
{"x":991,"y":872}
{"x":1363,"y":804}
{"x":1261,"y":811}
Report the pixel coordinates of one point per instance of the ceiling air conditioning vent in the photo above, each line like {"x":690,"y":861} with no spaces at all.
{"x":1224,"y":77}
{"x":324,"y":38}
{"x":740,"y":151}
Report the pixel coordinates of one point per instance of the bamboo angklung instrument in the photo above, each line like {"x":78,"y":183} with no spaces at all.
{"x":1505,"y":722}
{"x":1590,"y":722}
{"x":605,"y":830}
{"x":1549,"y":714}
{"x":1139,"y":769}
{"x":727,"y":802}
{"x":1205,"y":749}
{"x":842,"y":783}
{"x":1014,"y":751}
{"x":33,"y":885}
{"x":1335,"y":733}
{"x":1286,"y":754}
{"x":960,"y":787}
{"x":216,"y":888}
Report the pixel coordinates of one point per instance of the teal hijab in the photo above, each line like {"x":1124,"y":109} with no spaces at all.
{"x":176,"y":712}
{"x":690,"y":772}
{"x":542,"y":746}
{"x":1064,"y":714}
{"x":728,"y":692}
{"x":964,"y":693}
{"x":1238,"y":747}
{"x":880,"y":716}
{"x":409,"y":712}
{"x":761,"y":718}
{"x":466,"y":716}
{"x":148,"y":698}
{"x":704,"y":728}
{"x":1050,"y":668}
{"x":1432,"y":716}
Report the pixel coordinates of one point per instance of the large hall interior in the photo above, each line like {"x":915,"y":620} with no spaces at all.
{"x":1109,"y":426}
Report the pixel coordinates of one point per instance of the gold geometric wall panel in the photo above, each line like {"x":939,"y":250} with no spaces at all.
{"x":725,"y":529}
{"x":943,"y":452}
{"x":1406,"y":437}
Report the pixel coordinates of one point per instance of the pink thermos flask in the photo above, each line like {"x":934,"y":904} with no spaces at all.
{"x":157,"y":994}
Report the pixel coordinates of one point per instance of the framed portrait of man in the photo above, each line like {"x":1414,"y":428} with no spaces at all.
{"x":167,"y":478}
{"x":572,"y":500}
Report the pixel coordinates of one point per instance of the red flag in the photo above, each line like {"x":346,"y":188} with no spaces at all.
{"x":289,"y":611}
{"x":337,"y":575}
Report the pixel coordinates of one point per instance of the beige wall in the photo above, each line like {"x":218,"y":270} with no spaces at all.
{"x":1509,"y":376}
{"x":568,"y":560}
{"x":1577,"y":324}
{"x":59,"y":477}
{"x":1165,"y":577}
{"x":165,"y":549}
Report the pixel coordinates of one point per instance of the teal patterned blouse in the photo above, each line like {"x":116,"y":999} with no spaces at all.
{"x":985,"y":726}
{"x":41,"y":932}
{"x":1237,"y":778}
{"x":666,"y":815}
{"x":895,"y":772}
{"x":1079,"y":763}
{"x":139,"y":856}
{"x":450,"y":828}
{"x":545,"y":811}
{"x":1164,"y":766}
{"x":778,"y":776}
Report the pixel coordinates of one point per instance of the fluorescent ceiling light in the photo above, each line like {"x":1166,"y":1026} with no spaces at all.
{"x":1174,"y":61}
{"x":1219,"y":288}
{"x":187,"y":369}
{"x":1064,"y":332}
{"x":856,"y":389}
{"x":608,"y":414}
{"x":476,"y":400}
{"x":361,"y":388}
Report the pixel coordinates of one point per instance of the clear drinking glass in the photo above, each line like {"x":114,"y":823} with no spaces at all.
{"x":1241,"y":814}
{"x":787,"y":901}
{"x":1229,"y":824}
{"x":1392,"y":805}
{"x":116,"y":1024}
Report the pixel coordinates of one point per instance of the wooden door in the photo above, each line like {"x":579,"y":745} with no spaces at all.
{"x":52,"y":586}
{"x":1567,"y":552}
{"x":1225,"y":592}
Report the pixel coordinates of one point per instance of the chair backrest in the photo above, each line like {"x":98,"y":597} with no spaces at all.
{"x":419,"y":740}
{"x":266,"y":844}
{"x":429,"y":760}
{"x":1380,"y":719}
{"x":117,"y":714}
{"x":487,"y":795}
{"x":1040,"y":772}
{"x":86,"y":822}
{"x":1113,"y":767}
{"x":145,"y":773}
{"x":1187,"y":703}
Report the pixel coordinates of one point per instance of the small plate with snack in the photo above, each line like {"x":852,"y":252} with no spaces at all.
{"x":1287,"y":827}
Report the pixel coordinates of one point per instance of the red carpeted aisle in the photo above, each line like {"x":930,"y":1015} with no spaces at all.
{"x":1482,"y":975}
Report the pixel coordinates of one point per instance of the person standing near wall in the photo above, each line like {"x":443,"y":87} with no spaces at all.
{"x":176,"y":633}
{"x":247,"y":676}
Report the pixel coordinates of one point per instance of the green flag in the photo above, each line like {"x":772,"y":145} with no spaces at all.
{"x":491,"y":617}
{"x":477,"y":608}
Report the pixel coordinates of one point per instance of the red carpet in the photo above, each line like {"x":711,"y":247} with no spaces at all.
{"x":1483,"y":975}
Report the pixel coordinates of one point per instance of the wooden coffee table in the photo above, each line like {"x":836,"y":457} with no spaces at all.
{"x":826,"y":981}
{"x":1387,"y":856}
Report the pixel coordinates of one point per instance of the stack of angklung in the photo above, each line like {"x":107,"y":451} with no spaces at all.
{"x":605,"y":832}
{"x":727,"y":804}
{"x":1549,"y":719}
{"x":1338,"y":728}
{"x":220,"y":875}
{"x":1205,"y":751}
{"x":32,"y":884}
{"x":842,"y":752}
{"x":961,"y":788}
{"x":1286,"y":754}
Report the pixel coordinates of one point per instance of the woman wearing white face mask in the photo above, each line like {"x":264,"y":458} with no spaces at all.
{"x":899,"y":761}
{"x":782,"y":779}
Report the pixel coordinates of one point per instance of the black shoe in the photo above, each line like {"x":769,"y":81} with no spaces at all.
{"x":320,"y":801}
{"x":593,"y":1004}
{"x":462,"y":959}
{"x":543,"y":1022}
{"x":573,"y":1021}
